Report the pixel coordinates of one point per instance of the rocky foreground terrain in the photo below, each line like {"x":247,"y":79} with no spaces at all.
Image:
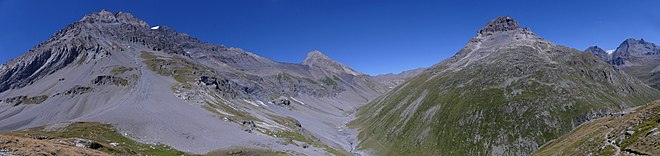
{"x":631,"y":132}
{"x":507,"y":92}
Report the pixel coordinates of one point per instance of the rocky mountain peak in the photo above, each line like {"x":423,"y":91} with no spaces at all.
{"x":499,"y":24}
{"x":316,"y":59}
{"x":636,"y":47}
{"x":599,"y":52}
{"x":595,"y":49}
{"x":105,"y":16}
{"x":313,"y":56}
{"x":500,"y":32}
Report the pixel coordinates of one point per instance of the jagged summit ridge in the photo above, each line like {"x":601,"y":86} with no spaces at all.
{"x":502,"y":23}
{"x":105,"y":16}
{"x":634,"y":47}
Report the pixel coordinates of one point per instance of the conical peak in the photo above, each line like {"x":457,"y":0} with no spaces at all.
{"x":316,"y":54}
{"x":317,"y":60}
{"x":499,"y":24}
{"x":595,"y":49}
{"x":105,"y":16}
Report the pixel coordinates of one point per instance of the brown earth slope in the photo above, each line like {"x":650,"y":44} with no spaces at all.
{"x":627,"y":133}
{"x":13,"y":145}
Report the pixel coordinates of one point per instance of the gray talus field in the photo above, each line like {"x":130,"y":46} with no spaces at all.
{"x":156,"y":85}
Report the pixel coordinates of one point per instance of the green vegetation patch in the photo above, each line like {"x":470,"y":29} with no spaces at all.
{"x":245,"y":151}
{"x":18,"y":100}
{"x":104,"y":135}
{"x":329,"y":81}
{"x":642,"y":129}
{"x":120,"y":70}
{"x":176,"y":67}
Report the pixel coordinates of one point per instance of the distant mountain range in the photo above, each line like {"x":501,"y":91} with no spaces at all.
{"x":392,"y":80}
{"x":638,"y":58}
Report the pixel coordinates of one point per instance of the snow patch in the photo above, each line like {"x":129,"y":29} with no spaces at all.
{"x":155,"y":27}
{"x":294,"y":99}
{"x":269,"y":126}
{"x":610,"y":51}
{"x":262,"y":103}
{"x":252,"y":103}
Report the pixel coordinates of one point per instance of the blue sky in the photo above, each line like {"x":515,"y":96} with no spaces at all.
{"x":373,"y":37}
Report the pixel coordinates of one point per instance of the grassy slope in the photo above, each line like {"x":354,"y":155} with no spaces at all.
{"x":103,"y":134}
{"x":591,"y":137}
{"x":27,"y":146}
{"x":472,"y":111}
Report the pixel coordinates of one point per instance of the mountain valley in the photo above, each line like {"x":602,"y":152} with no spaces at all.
{"x":112,"y":84}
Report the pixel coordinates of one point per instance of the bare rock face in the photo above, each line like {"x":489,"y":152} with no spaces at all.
{"x":105,"y":16}
{"x":502,"y":23}
{"x":633,"y":51}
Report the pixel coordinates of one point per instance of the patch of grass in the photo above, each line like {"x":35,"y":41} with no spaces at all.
{"x":36,"y":99}
{"x":642,"y":129}
{"x":237,"y":113}
{"x":591,"y":137}
{"x":178,"y":68}
{"x":328,"y":81}
{"x":18,"y":100}
{"x":608,"y":150}
{"x":246,"y":151}
{"x":28,"y":146}
{"x":103,"y":134}
{"x":310,"y":80}
{"x":120,"y":70}
{"x":311,"y":141}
